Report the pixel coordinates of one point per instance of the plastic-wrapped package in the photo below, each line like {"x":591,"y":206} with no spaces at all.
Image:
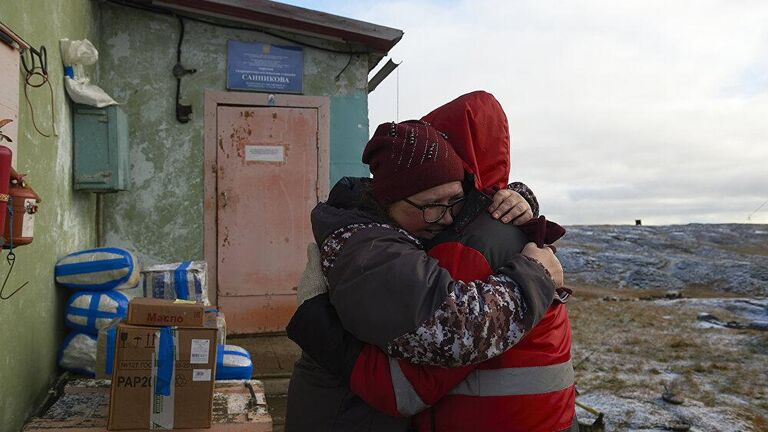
{"x":89,"y":311}
{"x":186,"y":280}
{"x":78,"y":353}
{"x":83,"y":92}
{"x":75,"y":54}
{"x":78,"y":52}
{"x":233,"y":362}
{"x":98,"y":270}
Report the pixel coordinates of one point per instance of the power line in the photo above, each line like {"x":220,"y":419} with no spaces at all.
{"x":756,"y":210}
{"x":397,"y":97}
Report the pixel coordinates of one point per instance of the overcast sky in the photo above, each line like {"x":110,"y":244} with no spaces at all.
{"x":618,"y":110}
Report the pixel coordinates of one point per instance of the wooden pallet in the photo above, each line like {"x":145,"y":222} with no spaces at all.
{"x":84,"y":407}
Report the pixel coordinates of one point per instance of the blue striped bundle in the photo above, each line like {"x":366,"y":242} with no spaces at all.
{"x":98,"y":270}
{"x":96,"y":274}
{"x":186,"y":280}
{"x":233,"y":362}
{"x":89,"y":311}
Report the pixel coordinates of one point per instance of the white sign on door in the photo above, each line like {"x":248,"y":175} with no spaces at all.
{"x":263,"y":153}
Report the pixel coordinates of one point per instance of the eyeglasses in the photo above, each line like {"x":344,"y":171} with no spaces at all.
{"x":434,"y":212}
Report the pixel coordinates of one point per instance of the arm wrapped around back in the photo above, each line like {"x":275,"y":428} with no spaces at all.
{"x":389,"y":293}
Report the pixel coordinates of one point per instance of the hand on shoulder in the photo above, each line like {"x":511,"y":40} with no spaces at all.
{"x":510,"y":206}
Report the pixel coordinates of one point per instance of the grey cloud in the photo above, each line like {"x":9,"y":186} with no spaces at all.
{"x":618,"y":110}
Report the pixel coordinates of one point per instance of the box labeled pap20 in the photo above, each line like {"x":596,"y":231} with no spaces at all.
{"x":163,"y":378}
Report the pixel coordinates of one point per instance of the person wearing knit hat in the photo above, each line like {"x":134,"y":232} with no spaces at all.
{"x":415,"y":170}
{"x":390,"y":293}
{"x":409,"y":157}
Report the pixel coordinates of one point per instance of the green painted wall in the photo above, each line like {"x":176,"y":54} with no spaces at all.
{"x":31,"y":322}
{"x":161,"y":217}
{"x":349,"y":133}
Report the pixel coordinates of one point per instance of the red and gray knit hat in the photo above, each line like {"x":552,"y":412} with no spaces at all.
{"x":409,"y":157}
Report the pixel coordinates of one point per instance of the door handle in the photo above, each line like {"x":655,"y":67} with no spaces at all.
{"x":224,"y":199}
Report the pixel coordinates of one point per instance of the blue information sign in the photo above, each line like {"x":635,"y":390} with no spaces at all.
{"x":263,"y":67}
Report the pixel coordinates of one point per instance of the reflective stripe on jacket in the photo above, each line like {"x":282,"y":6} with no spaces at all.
{"x":529,"y":388}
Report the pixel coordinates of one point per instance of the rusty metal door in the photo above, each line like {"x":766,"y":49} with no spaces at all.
{"x":267,"y":184}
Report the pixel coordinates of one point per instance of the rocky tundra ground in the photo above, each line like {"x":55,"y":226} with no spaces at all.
{"x":669,"y":325}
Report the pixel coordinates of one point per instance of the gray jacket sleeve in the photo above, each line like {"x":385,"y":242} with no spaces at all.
{"x":388,"y":292}
{"x":380,"y":282}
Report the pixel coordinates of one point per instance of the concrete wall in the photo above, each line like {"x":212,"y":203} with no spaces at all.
{"x":161,"y":217}
{"x":31,"y":322}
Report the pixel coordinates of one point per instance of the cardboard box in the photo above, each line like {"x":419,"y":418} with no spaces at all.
{"x":158,"y":312}
{"x":135,"y":402}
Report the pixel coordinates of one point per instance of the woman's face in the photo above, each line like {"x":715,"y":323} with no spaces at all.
{"x":412,"y":219}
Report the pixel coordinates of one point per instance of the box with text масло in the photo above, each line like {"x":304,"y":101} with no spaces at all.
{"x":158,"y":312}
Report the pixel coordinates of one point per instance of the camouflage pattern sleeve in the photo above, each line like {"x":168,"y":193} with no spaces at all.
{"x":476,"y":322}
{"x":527,"y":194}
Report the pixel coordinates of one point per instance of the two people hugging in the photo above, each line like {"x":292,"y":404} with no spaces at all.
{"x":434,"y":301}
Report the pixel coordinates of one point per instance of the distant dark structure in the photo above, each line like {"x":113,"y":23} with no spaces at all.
{"x":638,"y":222}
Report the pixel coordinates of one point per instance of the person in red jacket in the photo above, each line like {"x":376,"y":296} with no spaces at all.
{"x":527,"y":388}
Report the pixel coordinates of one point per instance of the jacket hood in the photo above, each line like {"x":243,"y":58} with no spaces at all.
{"x":477,"y":128}
{"x":346,"y":205}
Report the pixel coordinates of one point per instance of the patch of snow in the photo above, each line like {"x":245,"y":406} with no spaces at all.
{"x":748,"y":309}
{"x":707,"y":325}
{"x":644,"y":411}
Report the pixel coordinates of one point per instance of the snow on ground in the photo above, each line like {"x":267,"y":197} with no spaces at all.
{"x":645,"y":411}
{"x":631,"y":344}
